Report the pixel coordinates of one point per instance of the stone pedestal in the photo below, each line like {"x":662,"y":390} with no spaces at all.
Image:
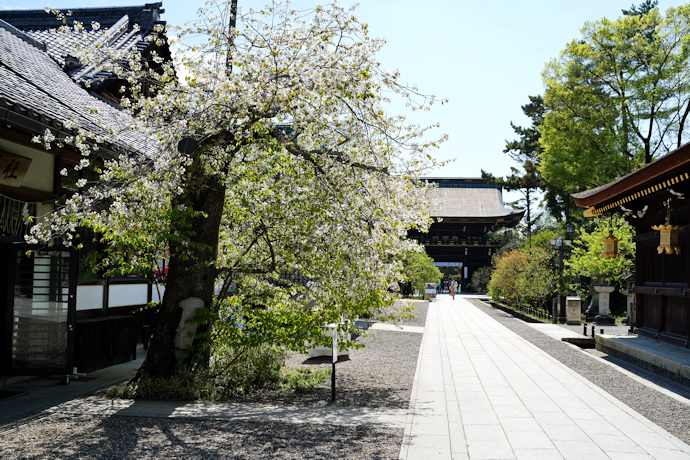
{"x":630,"y":297}
{"x":604,"y":301}
{"x":593,"y":307}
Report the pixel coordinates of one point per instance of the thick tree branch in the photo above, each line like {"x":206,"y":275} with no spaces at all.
{"x":311,"y":155}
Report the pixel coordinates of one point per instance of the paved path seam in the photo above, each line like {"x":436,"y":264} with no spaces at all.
{"x":647,"y":381}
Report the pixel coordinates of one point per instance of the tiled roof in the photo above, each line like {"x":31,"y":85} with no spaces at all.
{"x":658,"y":176}
{"x":469,"y":202}
{"x":468,"y":198}
{"x":116,"y":26}
{"x":146,"y":16}
{"x":35,"y":93}
{"x":670,"y":160}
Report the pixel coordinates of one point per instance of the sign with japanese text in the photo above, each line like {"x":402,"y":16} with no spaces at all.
{"x":448,"y":264}
{"x":13,"y":168}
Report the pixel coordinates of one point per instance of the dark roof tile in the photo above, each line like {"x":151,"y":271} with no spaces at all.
{"x":34,"y":86}
{"x":116,"y":26}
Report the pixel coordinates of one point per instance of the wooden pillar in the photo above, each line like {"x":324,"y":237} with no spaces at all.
{"x":662,"y":316}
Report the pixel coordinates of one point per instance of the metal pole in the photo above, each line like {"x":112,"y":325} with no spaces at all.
{"x":334,"y":352}
{"x":561,"y":298}
{"x":333,"y":383}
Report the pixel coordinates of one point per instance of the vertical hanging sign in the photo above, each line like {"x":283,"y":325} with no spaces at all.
{"x":15,"y":216}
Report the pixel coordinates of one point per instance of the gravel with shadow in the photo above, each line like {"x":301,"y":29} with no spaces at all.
{"x":83,"y":436}
{"x":379,"y":376}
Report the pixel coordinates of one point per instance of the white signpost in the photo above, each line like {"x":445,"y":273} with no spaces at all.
{"x":335,"y":360}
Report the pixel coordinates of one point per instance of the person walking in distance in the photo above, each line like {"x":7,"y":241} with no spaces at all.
{"x":453,"y":288}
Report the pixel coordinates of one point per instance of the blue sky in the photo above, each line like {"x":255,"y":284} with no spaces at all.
{"x":485,"y":56}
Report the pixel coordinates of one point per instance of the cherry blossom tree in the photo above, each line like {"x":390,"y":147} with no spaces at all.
{"x":266,"y":164}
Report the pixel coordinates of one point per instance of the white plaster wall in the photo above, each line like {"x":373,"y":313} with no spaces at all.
{"x":127,"y":294}
{"x":89,"y":297}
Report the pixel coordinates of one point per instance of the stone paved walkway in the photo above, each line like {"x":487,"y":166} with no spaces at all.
{"x":483,"y":392}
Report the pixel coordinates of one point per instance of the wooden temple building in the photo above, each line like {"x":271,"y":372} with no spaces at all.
{"x":465,"y":211}
{"x":53,"y":319}
{"x":655,"y":200}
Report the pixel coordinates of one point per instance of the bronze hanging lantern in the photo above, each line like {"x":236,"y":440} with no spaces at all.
{"x":610,"y":246}
{"x":668,"y":234}
{"x":668,"y":237}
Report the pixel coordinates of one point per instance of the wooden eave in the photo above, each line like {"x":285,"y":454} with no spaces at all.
{"x":506,"y":220}
{"x":666,"y":172}
{"x":18,"y":136}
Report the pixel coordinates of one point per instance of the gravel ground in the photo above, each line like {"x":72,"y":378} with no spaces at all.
{"x":669,"y":413}
{"x":380,"y":375}
{"x":78,"y":437}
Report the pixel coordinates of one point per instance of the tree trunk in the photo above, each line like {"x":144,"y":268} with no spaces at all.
{"x":681,"y":125}
{"x":191,"y":275}
{"x":528,"y":206}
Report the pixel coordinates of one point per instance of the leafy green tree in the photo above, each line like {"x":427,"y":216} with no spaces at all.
{"x":481,"y":278}
{"x":419,"y":268}
{"x":586,"y":260}
{"x":543,"y":239}
{"x":506,"y":276}
{"x":525,"y":277}
{"x":617,"y":98}
{"x":525,"y":151}
{"x":268,"y":170}
{"x":644,"y":8}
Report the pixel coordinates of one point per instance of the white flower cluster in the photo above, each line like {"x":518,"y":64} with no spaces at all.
{"x":318,"y":179}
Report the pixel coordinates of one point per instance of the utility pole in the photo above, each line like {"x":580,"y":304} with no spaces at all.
{"x":232,"y":23}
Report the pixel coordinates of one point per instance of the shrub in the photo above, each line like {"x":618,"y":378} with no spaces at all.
{"x":524,"y":277}
{"x":304,"y":380}
{"x":419,"y":268}
{"x":235,"y":373}
{"x":481,"y":278}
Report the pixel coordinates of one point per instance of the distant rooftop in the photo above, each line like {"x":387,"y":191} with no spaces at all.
{"x":146,"y":16}
{"x":461,"y":182}
{"x":468,"y":197}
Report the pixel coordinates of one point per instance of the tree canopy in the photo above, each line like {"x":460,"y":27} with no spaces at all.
{"x":524,"y":277}
{"x":419,"y":268}
{"x":616,"y":98}
{"x":586,"y":259}
{"x":525,"y":151}
{"x":269,"y":171}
